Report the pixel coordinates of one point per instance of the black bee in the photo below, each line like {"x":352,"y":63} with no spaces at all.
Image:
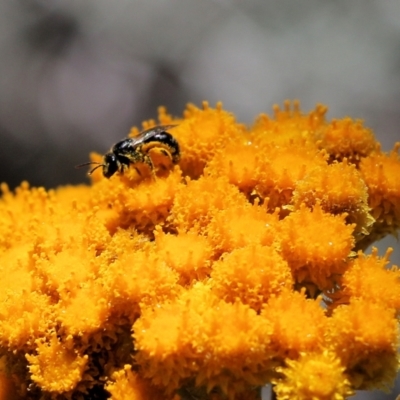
{"x":136,"y":150}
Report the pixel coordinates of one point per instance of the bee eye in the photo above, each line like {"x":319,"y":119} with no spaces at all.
{"x":110,"y":165}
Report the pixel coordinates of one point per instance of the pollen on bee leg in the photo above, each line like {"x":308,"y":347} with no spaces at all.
{"x":160,"y":158}
{"x":138,"y":171}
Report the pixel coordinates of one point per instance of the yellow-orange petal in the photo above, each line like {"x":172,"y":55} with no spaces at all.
{"x":138,"y":277}
{"x":238,"y":355}
{"x":200,"y":337}
{"x":91,"y":297}
{"x":167,"y":349}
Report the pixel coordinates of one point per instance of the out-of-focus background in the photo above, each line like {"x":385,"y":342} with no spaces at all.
{"x":75,"y":75}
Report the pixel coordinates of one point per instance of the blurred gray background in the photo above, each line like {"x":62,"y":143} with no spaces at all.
{"x":75,"y":75}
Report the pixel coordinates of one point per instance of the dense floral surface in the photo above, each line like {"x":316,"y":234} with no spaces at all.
{"x":240,"y":266}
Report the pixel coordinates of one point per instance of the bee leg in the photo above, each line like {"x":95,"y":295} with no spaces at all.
{"x":122,"y":168}
{"x":166,"y":153}
{"x":147,"y":160}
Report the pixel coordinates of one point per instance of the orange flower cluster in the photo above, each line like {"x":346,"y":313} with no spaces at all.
{"x":243,"y":265}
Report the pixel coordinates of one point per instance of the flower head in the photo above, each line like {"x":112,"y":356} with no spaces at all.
{"x":316,"y":255}
{"x":313,"y":376}
{"x":347,"y":138}
{"x":368,"y":351}
{"x":128,"y":385}
{"x":367,"y":278}
{"x":207,"y":279}
{"x":57,"y":367}
{"x":380,"y":172}
{"x":298,"y":324}
{"x":269,"y":275}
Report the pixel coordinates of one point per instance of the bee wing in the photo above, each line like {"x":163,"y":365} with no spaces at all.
{"x":148,"y":133}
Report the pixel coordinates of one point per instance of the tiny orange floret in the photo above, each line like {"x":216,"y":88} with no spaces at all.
{"x":289,"y":125}
{"x":381,"y":174}
{"x":347,"y":138}
{"x":202,"y":133}
{"x":268,"y":274}
{"x":313,"y":376}
{"x":298,"y":324}
{"x":325,"y":185}
{"x":368,"y":350}
{"x":316,"y":245}
{"x":126,"y":384}
{"x":283,"y":166}
{"x":195,"y":205}
{"x":239,"y":161}
{"x":369,"y":279}
{"x":240,"y":226}
{"x":189,"y":254}
{"x":57,"y":368}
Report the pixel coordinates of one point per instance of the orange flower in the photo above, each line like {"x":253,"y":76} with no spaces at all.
{"x":203,"y":338}
{"x":195,"y":205}
{"x":201,"y":133}
{"x":290,"y":125}
{"x":313,"y":376}
{"x":126,"y":384}
{"x":316,"y":245}
{"x":268,"y":275}
{"x":365,"y":337}
{"x":283,"y":166}
{"x":190,"y":281}
{"x":347,"y":138}
{"x":189,"y":254}
{"x":380,"y":173}
{"x":325,"y":185}
{"x":57,"y":368}
{"x":240,"y":162}
{"x":240,"y":226}
{"x":369,"y":280}
{"x":298,"y":324}
{"x":123,"y":205}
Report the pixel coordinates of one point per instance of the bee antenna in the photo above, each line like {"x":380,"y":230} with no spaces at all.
{"x":98,"y":165}
{"x":86,"y":163}
{"x":94,"y":169}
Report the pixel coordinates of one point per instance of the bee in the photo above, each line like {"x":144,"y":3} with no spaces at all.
{"x":138,"y":150}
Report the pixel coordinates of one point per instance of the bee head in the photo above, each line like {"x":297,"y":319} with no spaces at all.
{"x":110,"y":165}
